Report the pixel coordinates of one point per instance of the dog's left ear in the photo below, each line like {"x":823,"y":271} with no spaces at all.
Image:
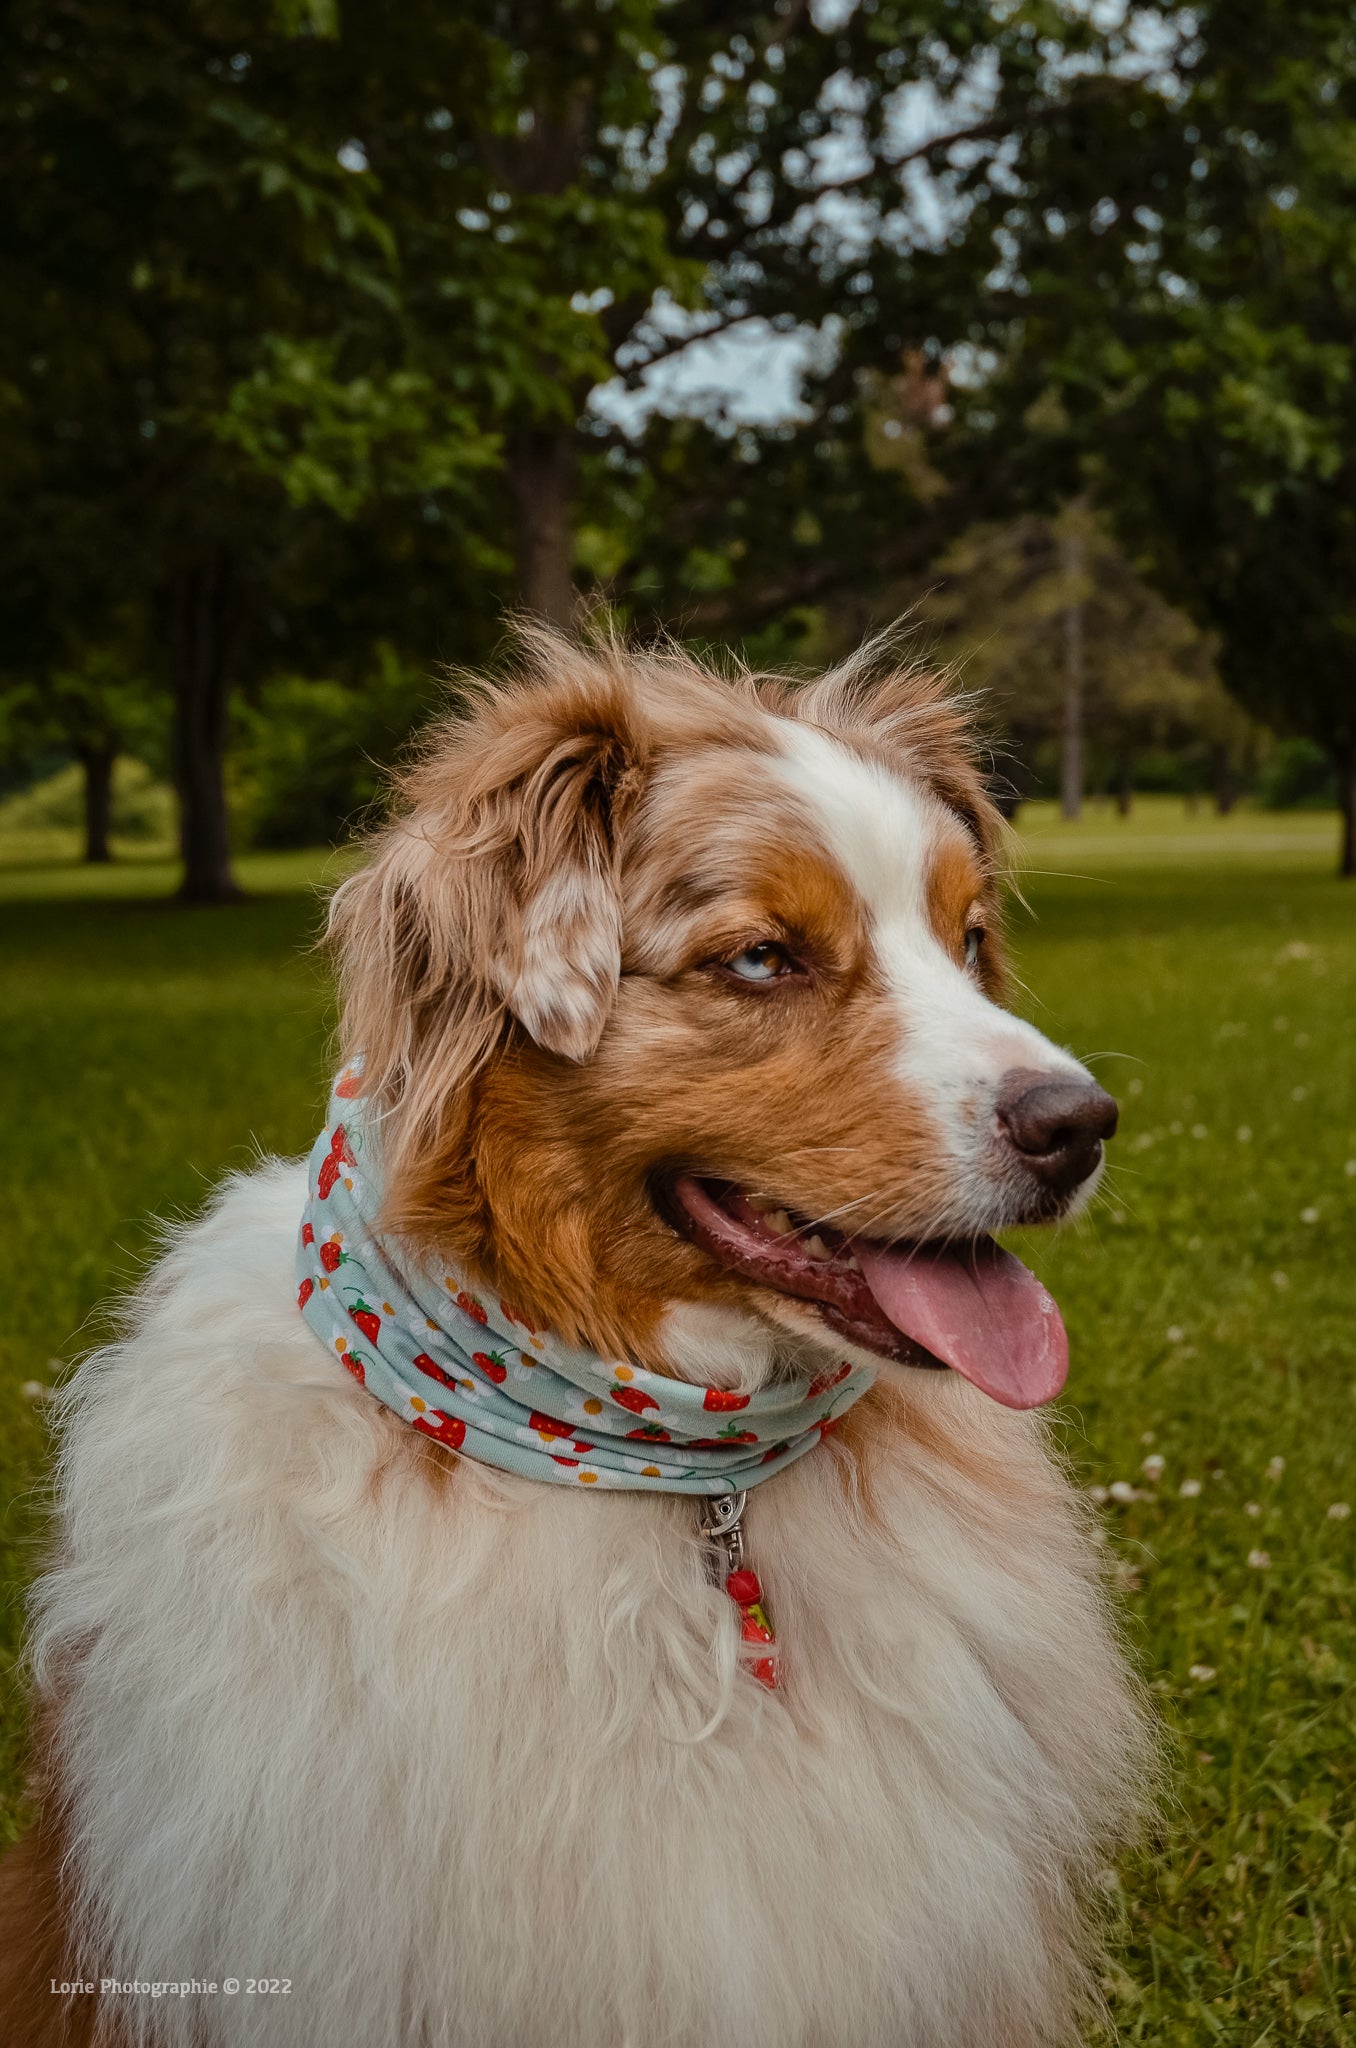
{"x":558,"y":961}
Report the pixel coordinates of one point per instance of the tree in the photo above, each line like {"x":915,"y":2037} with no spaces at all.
{"x":1208,"y":386}
{"x":202,"y":361}
{"x":1000,"y":606}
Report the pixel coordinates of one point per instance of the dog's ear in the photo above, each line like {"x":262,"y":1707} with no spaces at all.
{"x":558,"y":960}
{"x":493,"y":889}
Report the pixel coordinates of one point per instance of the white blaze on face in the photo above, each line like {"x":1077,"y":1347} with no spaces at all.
{"x":954,"y":1044}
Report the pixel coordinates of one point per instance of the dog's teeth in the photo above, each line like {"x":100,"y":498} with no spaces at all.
{"x":853,"y":1266}
{"x":778,"y":1220}
{"x":817,"y":1248}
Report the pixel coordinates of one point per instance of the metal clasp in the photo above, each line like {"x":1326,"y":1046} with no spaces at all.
{"x":722,"y":1525}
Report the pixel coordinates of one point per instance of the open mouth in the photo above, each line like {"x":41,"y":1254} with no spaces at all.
{"x":972,"y":1307}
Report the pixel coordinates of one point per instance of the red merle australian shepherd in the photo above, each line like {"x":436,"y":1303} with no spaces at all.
{"x":679,"y":1007}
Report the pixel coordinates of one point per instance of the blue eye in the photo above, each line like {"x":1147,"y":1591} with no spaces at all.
{"x":766,"y":961}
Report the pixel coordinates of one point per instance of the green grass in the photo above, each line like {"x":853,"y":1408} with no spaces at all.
{"x":1211,"y":968}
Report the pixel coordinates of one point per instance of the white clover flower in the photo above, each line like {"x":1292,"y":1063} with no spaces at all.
{"x":1202,"y":1673}
{"x":1275,"y":1467}
{"x":1281,"y":1280}
{"x":1339,"y":1511}
{"x":1098,"y":1495}
{"x":1309,"y":1215}
{"x":1244,"y":1134}
{"x":1199,"y":1131}
{"x":1152,"y":1468}
{"x":1350,"y":1169}
{"x":1175,"y":1333}
{"x":34,"y":1390}
{"x":1259,"y":1560}
{"x":1122,"y":1490}
{"x":1253,"y":1508}
{"x":1189,"y":1488}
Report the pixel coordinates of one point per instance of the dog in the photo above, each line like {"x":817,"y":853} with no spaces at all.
{"x":673,"y":1004}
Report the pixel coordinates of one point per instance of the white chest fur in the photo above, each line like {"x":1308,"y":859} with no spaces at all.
{"x":469,"y":1760}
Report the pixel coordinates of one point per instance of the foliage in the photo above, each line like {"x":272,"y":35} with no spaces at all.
{"x":997,"y":608}
{"x":310,"y":752}
{"x":1205,"y":369}
{"x":320,"y":370}
{"x":1234,"y":1927}
{"x":45,"y":820}
{"x":1295,"y":773}
{"x":208,"y":379}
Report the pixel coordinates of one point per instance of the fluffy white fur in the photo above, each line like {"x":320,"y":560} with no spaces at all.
{"x":469,"y":1759}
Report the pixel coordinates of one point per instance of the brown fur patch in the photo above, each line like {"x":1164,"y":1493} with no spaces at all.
{"x":37,"y":1946}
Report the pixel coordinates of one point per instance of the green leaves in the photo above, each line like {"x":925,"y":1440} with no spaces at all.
{"x":339,"y":442}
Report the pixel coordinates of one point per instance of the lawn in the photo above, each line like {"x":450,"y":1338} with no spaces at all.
{"x":1208,"y":969}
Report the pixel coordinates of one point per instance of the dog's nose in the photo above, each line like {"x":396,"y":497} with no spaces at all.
{"x":1056,"y":1122}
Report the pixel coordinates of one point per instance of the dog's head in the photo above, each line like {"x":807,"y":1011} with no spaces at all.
{"x":679,"y":1003}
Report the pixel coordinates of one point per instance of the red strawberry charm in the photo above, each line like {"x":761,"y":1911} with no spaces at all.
{"x":434,"y":1371}
{"x":718,"y":1402}
{"x":634,"y":1399}
{"x":357,"y":1365}
{"x":754,"y":1626}
{"x":547,"y":1425}
{"x":469,"y":1306}
{"x":308,"y":1233}
{"x":331,"y":1255}
{"x":492,"y":1365}
{"x":328,"y":1175}
{"x":650,"y":1432}
{"x":305,"y":1291}
{"x":448,"y":1429}
{"x":367,"y":1319}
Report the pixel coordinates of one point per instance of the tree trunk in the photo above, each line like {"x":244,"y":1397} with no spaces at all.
{"x":1071,"y":760}
{"x":1346,"y":797}
{"x":1125,"y":784}
{"x":1226,"y":780}
{"x":541,"y":475}
{"x":197,"y":628}
{"x":97,"y":762}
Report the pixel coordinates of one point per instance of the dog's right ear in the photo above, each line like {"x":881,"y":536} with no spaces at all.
{"x":492,"y":892}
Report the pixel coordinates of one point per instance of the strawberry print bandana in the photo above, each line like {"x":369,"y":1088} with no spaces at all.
{"x":469,"y":1370}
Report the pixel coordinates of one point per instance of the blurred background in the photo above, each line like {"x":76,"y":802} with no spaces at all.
{"x":331,"y":332}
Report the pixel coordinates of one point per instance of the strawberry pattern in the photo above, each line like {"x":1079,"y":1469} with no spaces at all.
{"x":472,"y":1372}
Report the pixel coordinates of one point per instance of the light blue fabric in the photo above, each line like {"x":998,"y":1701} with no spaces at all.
{"x":466,"y":1369}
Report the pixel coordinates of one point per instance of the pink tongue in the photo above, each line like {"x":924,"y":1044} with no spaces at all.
{"x":979,"y":1310}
